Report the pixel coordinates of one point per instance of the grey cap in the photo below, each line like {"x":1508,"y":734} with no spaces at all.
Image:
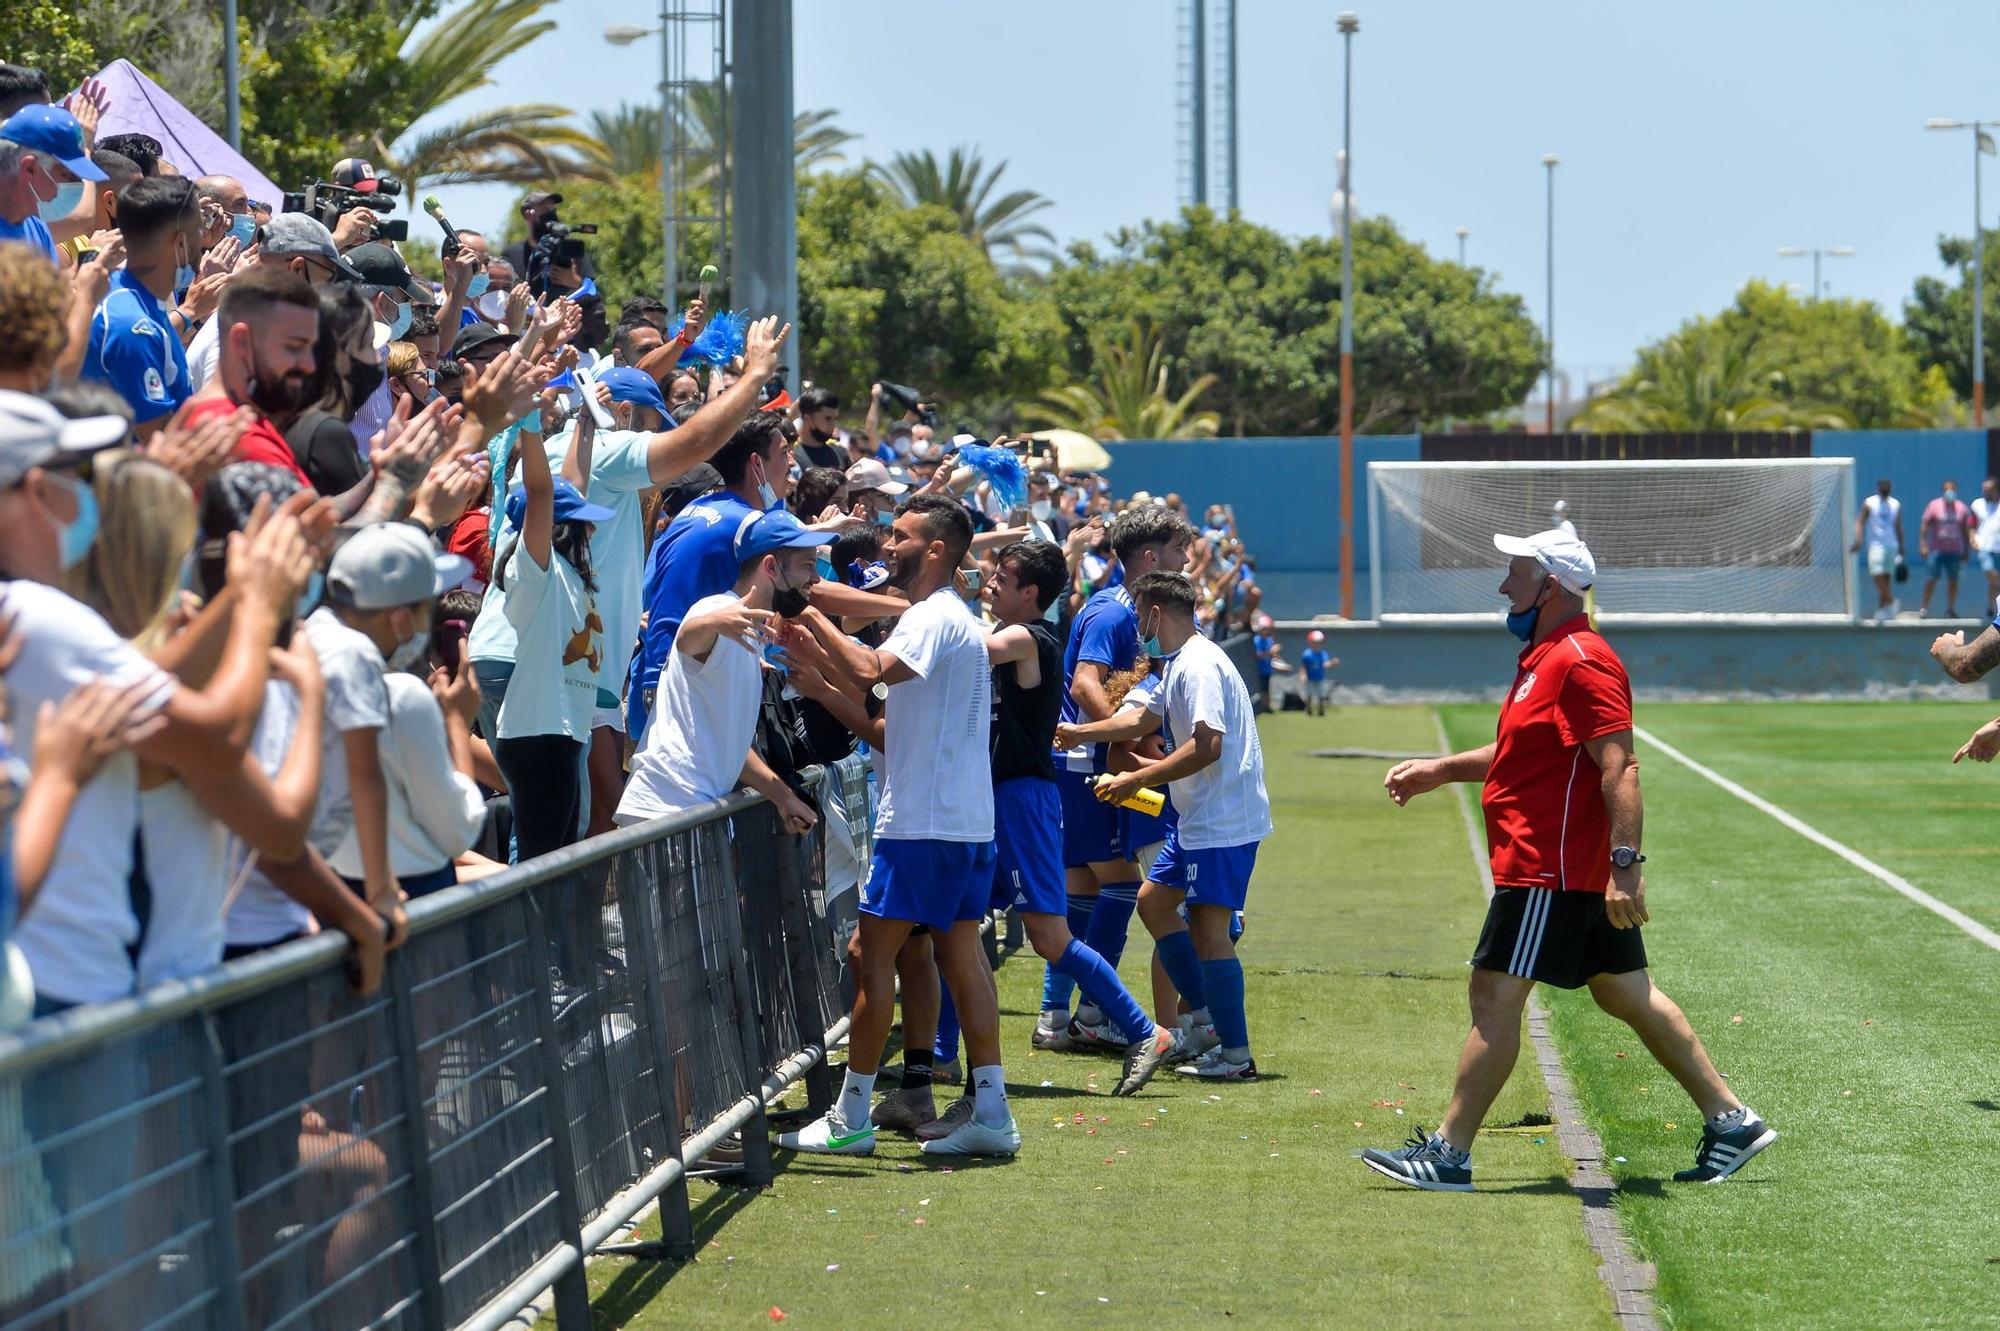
{"x":289,"y":234}
{"x":390,"y":564}
{"x":35,"y":434}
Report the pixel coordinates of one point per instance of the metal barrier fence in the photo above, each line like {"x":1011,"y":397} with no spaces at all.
{"x":547,"y":1054}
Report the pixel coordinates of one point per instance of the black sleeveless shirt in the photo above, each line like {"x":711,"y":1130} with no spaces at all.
{"x":1024,"y":720}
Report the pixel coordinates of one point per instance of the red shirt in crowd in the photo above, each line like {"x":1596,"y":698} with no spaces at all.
{"x":260,"y":443}
{"x":469,"y":538}
{"x":1546,"y":824}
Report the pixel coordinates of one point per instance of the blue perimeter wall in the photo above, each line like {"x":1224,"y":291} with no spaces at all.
{"x":1286,"y":493}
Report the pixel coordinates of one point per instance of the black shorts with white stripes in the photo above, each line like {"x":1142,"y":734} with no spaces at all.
{"x":1558,"y":938}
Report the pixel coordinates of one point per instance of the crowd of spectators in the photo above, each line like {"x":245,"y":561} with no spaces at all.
{"x":319,"y":575}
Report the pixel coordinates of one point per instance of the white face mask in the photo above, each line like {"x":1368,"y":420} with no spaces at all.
{"x":1041,"y":508}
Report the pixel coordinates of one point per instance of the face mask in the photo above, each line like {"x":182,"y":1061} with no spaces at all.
{"x":476,"y":288}
{"x":244,"y":227}
{"x":882,"y":517}
{"x":1951,"y":496}
{"x":1041,"y":508}
{"x":1151,"y":644}
{"x":821,"y":435}
{"x":410,"y":650}
{"x":65,"y":202}
{"x":1521,"y":623}
{"x":363,"y":378}
{"x":492,"y":306}
{"x":401,"y":324}
{"x":789,"y":602}
{"x":767,"y":498}
{"x":75,"y":537}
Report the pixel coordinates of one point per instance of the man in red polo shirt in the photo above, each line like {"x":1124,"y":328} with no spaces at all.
{"x":270,"y":328}
{"x":1563,"y":819}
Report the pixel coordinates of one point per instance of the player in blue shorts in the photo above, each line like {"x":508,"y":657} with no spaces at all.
{"x":934,"y":853}
{"x":1216,"y":775}
{"x":1101,"y":879}
{"x":1028,"y":876}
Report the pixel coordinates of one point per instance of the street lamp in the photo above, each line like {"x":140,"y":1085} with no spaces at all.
{"x":1463,"y":232}
{"x":1982,"y":142}
{"x":1831,"y":252}
{"x":624,"y":34}
{"x":1549,"y":160}
{"x":1349,"y":23}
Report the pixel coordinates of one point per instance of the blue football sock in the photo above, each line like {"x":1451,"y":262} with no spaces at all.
{"x":1057,"y":987}
{"x":1111,"y":921}
{"x":945,"y":1047}
{"x":1101,"y":985}
{"x":1183,"y":967}
{"x":1224,"y":978}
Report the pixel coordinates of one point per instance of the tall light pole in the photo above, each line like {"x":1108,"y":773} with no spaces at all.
{"x":1982,"y":142}
{"x":1831,"y":252}
{"x":1549,"y":313}
{"x":232,"y":109}
{"x":624,"y":34}
{"x":1463,"y":232}
{"x":1349,"y":24}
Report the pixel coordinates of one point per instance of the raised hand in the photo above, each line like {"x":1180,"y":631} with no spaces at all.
{"x":760,"y":348}
{"x":502,"y":392}
{"x":270,"y":559}
{"x":203,"y":296}
{"x":88,"y":104}
{"x":221,"y":257}
{"x":196,"y":452}
{"x":356,"y":227}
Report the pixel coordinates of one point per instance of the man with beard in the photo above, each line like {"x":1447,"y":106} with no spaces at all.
{"x":934,"y":853}
{"x":698,"y":743}
{"x":819,"y":413}
{"x":270,"y":325}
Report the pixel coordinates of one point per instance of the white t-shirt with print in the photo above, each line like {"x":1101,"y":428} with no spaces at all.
{"x":356,"y":699}
{"x":1223,"y":804}
{"x":937,"y":782}
{"x":559,"y":648}
{"x":703,"y":721}
{"x":75,"y":937}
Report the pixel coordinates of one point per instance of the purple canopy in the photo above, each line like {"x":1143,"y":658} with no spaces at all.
{"x":141,"y":106}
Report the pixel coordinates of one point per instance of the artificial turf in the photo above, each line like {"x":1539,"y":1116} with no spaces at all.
{"x":1175,"y":1207}
{"x":1857,"y":1022}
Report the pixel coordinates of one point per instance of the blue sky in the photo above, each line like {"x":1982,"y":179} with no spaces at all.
{"x":1696,"y":138}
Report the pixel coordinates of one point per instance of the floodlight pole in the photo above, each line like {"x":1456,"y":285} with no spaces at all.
{"x":1979,"y":140}
{"x":1549,"y":313}
{"x":232,"y":98}
{"x":1463,"y":232}
{"x":1349,"y":23}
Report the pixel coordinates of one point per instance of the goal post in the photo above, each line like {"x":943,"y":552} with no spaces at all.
{"x":1761,"y":539}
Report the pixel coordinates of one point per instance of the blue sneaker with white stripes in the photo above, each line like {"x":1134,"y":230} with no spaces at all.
{"x":1723,"y":1153}
{"x":1425,"y":1161}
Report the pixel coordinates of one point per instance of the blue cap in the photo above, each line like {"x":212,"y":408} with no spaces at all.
{"x":632,"y":385}
{"x":762,"y":533}
{"x":570,"y":506}
{"x":53,"y":131}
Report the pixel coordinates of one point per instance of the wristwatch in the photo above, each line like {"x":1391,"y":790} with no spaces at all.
{"x":1624,"y":857}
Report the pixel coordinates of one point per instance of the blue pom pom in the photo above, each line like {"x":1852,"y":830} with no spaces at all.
{"x":1001,"y":467}
{"x":721,"y":340}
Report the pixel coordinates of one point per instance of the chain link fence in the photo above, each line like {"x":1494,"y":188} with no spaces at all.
{"x":547,"y":1055}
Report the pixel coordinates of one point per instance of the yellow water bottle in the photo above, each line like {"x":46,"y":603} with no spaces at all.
{"x":1142,"y":800}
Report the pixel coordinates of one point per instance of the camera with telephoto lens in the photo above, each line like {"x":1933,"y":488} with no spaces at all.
{"x":556,"y":243}
{"x":326,"y":202}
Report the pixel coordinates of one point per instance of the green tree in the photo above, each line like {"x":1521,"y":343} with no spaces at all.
{"x":1261,"y":312}
{"x":627,"y":141}
{"x":56,"y":38}
{"x":1127,"y":396}
{"x":1773,"y":361}
{"x":963,"y":186}
{"x":1937,"y":317}
{"x":1705,"y":378}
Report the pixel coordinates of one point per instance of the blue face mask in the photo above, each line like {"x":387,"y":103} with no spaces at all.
{"x":309,"y":598}
{"x":882,"y":517}
{"x":476,"y":288}
{"x":75,"y":537}
{"x":244,"y":227}
{"x":401,"y":324}
{"x":1150,"y":644}
{"x":63,"y":204}
{"x":1521,"y":623}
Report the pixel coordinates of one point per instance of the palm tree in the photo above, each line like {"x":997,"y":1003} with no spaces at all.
{"x":1128,"y":397}
{"x":1703,"y":380}
{"x":510,"y":144}
{"x":626,"y":142}
{"x":965,"y":187}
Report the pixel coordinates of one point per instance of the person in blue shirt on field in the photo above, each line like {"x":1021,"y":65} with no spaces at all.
{"x":43,"y":173}
{"x":134,"y":346}
{"x":1313,"y":665}
{"x":1266,"y":648}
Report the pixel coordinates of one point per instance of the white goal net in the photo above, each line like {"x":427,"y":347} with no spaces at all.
{"x":1765,"y":538}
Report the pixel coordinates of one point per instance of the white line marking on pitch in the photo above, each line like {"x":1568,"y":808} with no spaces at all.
{"x":1814,"y":835}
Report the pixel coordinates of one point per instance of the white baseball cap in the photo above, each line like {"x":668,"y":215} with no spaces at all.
{"x":869,"y":474}
{"x":1558,"y":552}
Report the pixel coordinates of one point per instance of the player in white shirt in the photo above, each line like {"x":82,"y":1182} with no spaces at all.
{"x":1986,"y":538}
{"x":697,"y":745}
{"x":1879,"y":527}
{"x":934,"y":852}
{"x":1216,"y":775}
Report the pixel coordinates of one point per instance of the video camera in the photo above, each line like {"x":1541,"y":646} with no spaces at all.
{"x":556,"y":243}
{"x":326,"y":202}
